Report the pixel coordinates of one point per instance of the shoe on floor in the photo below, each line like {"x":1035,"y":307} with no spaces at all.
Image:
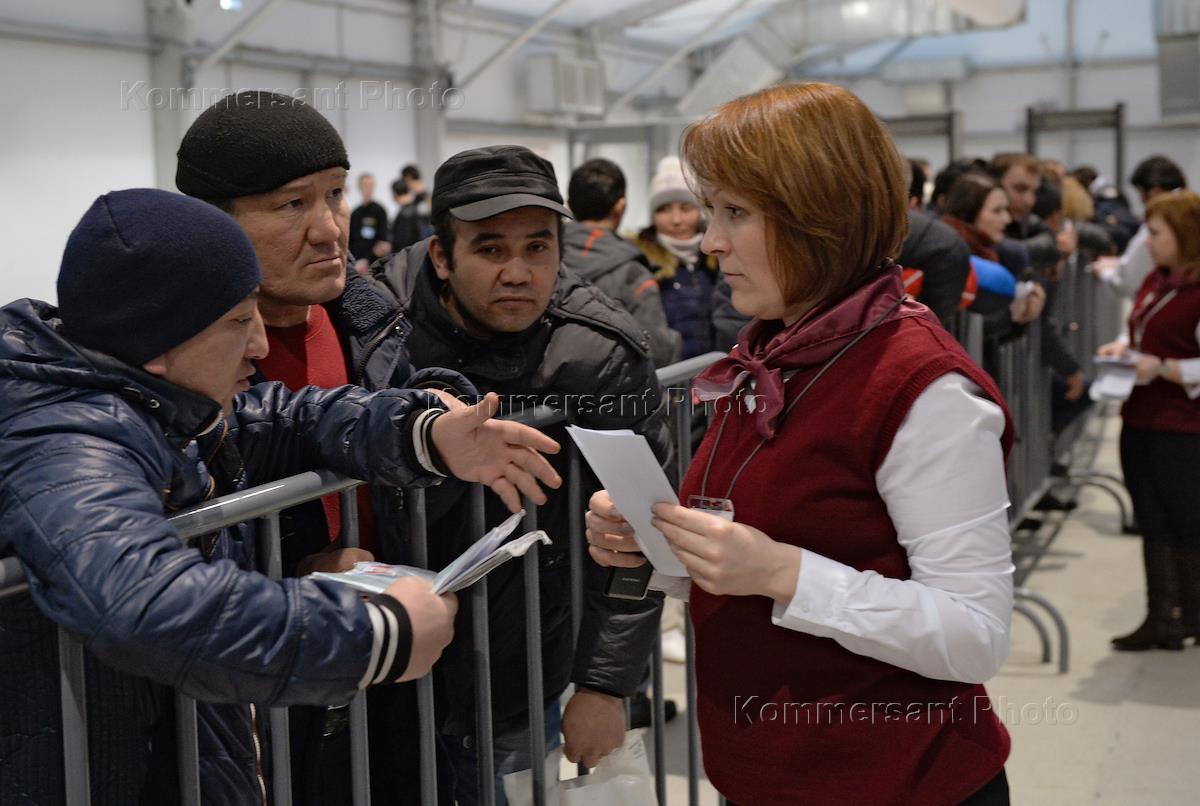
{"x":674,"y":648}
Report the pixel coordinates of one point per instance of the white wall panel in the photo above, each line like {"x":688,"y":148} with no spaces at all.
{"x":69,"y":141}
{"x":112,"y":16}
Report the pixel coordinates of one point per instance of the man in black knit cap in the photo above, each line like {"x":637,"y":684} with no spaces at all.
{"x":279,"y":168}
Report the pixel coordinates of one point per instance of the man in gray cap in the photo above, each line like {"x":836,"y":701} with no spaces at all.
{"x":486,"y":294}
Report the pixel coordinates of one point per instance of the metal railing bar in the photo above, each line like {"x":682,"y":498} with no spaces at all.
{"x":270,"y":559}
{"x":484,"y":743}
{"x":188,"y":748}
{"x":360,"y":749}
{"x":659,"y":721}
{"x":682,"y":372}
{"x":246,"y":505}
{"x":74,"y":720}
{"x":533,"y":660}
{"x":418,"y":529}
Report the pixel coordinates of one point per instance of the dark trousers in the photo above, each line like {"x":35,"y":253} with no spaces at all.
{"x":1160,"y":472}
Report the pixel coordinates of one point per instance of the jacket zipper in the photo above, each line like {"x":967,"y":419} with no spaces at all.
{"x":361,"y":367}
{"x":258,"y":770}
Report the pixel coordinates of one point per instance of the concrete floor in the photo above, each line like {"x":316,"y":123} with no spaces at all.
{"x":1118,"y":728}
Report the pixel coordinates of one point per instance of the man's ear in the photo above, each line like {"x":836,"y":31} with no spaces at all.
{"x":618,"y":212}
{"x":437,"y":253}
{"x":157,"y":366}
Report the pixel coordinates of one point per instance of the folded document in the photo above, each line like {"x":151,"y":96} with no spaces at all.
{"x":485,"y":555}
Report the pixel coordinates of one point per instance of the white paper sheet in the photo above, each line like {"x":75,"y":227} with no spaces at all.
{"x":626,"y":466}
{"x":1115,"y":378}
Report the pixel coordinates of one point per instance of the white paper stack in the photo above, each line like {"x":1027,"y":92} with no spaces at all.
{"x":484,"y":556}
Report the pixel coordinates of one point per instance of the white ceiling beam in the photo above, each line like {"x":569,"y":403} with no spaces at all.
{"x":687,"y":47}
{"x":618,"y":21}
{"x":239,"y":33}
{"x":506,"y":52}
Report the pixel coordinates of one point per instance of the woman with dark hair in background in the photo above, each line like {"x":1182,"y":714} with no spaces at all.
{"x":1160,"y":437}
{"x":847,"y":535}
{"x":977,"y":208}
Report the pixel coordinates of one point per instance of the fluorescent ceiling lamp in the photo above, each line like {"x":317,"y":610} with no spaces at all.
{"x":858,"y":10}
{"x":231,"y":5}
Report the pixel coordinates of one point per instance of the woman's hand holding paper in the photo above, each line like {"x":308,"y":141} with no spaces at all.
{"x":727,"y":558}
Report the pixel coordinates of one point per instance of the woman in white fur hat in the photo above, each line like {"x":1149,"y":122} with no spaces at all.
{"x":671,"y":243}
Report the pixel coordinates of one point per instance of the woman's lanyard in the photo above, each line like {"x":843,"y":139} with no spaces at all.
{"x":1140,"y":318}
{"x":792,"y":405}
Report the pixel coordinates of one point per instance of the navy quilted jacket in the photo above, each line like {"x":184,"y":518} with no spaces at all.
{"x":92,"y":452}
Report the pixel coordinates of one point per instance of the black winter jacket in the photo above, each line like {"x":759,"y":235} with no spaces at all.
{"x":618,"y":268}
{"x":92,"y":453}
{"x":583,"y":356}
{"x":938,"y":251}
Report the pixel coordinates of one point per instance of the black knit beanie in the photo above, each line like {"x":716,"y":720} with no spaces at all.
{"x":254,"y":142}
{"x":145,"y":270}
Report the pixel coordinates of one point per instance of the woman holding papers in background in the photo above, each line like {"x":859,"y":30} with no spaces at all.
{"x":1160,"y":437}
{"x":848,"y":611}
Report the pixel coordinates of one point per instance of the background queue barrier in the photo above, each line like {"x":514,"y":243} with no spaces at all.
{"x":1091,"y":315}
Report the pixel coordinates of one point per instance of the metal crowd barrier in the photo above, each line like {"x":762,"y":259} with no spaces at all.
{"x":1022,"y":378}
{"x":264,"y":503}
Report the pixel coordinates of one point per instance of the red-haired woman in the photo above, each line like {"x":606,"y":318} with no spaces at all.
{"x":1160,"y":436}
{"x":848,"y":612}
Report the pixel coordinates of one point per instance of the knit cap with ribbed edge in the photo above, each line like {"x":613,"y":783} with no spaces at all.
{"x":669,"y":184}
{"x":144,"y":270}
{"x":254,"y":142}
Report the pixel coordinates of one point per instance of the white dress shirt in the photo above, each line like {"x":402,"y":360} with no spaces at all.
{"x":944,"y":487}
{"x":1136,"y":264}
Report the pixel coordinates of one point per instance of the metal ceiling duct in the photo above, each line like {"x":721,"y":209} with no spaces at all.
{"x":765,"y":52}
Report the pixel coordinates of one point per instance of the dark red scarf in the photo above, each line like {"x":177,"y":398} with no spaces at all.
{"x":765,"y":351}
{"x":979,"y":244}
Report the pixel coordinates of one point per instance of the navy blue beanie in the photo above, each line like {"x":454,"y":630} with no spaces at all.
{"x":145,"y":270}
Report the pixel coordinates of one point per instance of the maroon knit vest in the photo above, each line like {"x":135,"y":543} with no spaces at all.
{"x":787,"y":717}
{"x":1170,"y":332}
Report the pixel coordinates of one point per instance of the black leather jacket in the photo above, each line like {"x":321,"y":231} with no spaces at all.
{"x":585,"y":356}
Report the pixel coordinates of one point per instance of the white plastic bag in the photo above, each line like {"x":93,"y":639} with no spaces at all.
{"x":621,"y":779}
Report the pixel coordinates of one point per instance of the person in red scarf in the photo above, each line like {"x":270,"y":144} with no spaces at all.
{"x":1160,"y":435}
{"x":977,"y":208}
{"x":860,"y":591}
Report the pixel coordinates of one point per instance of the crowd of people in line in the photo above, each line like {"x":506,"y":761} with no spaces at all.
{"x":254,"y":327}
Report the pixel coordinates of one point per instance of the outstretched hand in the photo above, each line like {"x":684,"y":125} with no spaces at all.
{"x":506,"y":456}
